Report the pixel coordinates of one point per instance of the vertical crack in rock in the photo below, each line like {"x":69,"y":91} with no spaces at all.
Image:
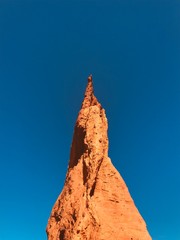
{"x":95,"y":203}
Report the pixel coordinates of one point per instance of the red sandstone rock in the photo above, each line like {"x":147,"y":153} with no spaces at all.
{"x":95,"y":203}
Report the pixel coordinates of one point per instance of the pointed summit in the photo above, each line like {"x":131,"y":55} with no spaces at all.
{"x":95,"y":203}
{"x":89,"y":98}
{"x":91,"y":123}
{"x":90,"y":78}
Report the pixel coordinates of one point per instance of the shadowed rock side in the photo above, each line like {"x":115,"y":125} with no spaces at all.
{"x":95,"y":203}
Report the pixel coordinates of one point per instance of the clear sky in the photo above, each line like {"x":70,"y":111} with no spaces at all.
{"x":47,"y":50}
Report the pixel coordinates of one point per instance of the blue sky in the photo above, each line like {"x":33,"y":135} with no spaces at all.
{"x":47,"y":50}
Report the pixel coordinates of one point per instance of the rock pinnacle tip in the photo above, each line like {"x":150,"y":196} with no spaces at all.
{"x":90,"y":78}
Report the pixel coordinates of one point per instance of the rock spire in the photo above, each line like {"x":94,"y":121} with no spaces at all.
{"x":95,"y":203}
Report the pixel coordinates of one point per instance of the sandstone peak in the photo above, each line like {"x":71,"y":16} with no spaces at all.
{"x":89,"y":98}
{"x":95,"y":203}
{"x":90,"y":78}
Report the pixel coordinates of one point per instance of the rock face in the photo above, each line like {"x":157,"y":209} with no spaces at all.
{"x":95,"y":203}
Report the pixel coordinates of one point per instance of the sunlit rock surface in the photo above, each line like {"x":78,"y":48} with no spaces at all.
{"x":95,"y":203}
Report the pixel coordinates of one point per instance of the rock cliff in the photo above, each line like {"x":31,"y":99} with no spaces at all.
{"x":95,"y":203}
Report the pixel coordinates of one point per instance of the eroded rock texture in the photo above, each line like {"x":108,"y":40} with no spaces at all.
{"x":95,"y":203}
